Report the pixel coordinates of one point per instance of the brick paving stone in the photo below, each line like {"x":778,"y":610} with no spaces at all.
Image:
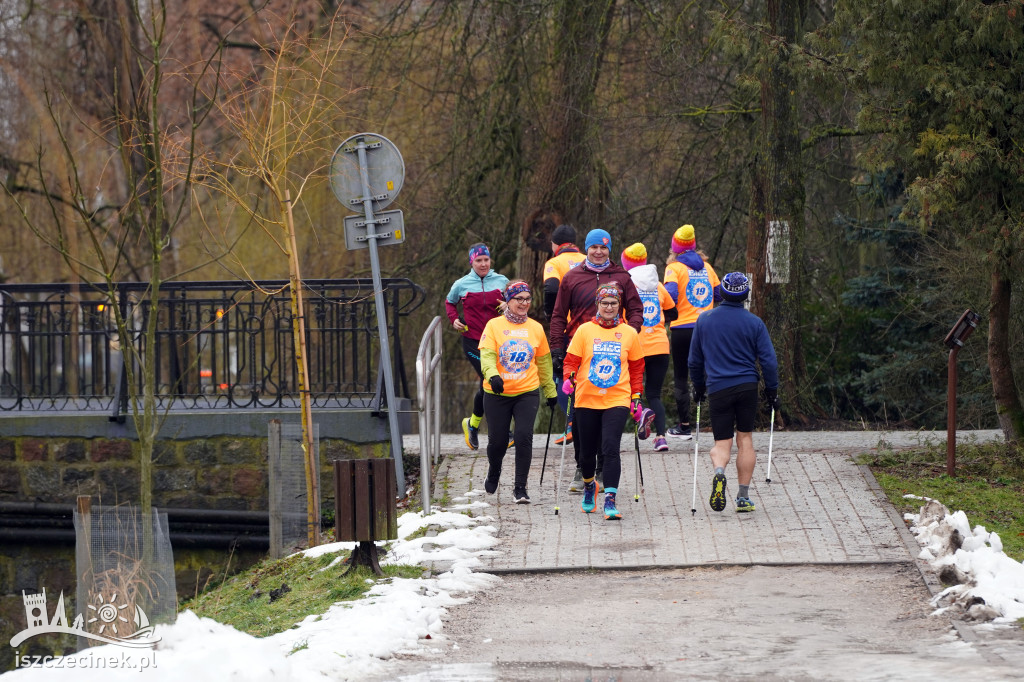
{"x":820,"y":506}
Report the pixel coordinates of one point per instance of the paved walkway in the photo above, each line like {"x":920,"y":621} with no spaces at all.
{"x":820,"y":507}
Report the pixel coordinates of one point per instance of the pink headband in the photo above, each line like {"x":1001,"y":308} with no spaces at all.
{"x":478,"y":250}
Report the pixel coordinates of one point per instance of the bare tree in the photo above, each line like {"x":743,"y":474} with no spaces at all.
{"x":284,"y":118}
{"x":113,"y":170}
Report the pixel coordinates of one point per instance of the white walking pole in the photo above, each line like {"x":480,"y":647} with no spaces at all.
{"x":561,"y":461}
{"x":696,"y":435}
{"x":771,"y":436}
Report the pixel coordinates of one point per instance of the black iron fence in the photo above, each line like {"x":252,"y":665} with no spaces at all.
{"x":218,"y":344}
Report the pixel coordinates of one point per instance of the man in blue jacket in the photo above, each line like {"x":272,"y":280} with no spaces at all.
{"x":729,"y":342}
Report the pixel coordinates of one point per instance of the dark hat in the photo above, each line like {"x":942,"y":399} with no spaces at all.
{"x":735,"y":287}
{"x":564,"y":234}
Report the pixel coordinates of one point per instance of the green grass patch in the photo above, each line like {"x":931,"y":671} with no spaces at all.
{"x":243,"y":600}
{"x":988,"y":486}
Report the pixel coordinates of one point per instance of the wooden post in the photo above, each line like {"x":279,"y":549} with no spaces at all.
{"x":299,"y":333}
{"x":951,"y":413}
{"x":84,"y":506}
{"x":274,"y":496}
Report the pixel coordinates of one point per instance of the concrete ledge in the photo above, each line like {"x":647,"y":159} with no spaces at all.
{"x":357,"y":425}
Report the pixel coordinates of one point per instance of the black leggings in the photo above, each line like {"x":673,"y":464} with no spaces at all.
{"x":500,"y":410}
{"x":655,"y":368}
{"x":601,"y":431}
{"x":470,"y":348}
{"x":681,"y":337}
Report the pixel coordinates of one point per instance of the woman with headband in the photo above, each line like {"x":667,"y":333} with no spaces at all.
{"x":479,"y":293}
{"x":604,"y":368}
{"x":516,"y":363}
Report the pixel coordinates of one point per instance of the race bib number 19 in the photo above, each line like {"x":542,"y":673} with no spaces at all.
{"x":606,"y":365}
{"x":652,"y":308}
{"x":698,"y":290}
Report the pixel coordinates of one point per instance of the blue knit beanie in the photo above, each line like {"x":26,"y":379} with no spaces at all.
{"x":735,"y":287}
{"x":598,"y":238}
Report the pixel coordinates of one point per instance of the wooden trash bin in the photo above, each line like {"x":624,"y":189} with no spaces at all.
{"x":365,"y":508}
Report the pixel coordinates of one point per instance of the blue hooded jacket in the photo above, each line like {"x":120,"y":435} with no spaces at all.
{"x":729,"y":342}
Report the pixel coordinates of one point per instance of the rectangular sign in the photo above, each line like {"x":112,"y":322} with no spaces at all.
{"x":389,"y":226}
{"x":778,"y":252}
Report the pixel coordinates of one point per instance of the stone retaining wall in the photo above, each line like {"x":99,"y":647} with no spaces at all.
{"x":225,"y":473}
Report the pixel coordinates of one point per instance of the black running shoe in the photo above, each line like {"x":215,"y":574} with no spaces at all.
{"x":520,"y":496}
{"x":681,"y":431}
{"x":491,"y":482}
{"x":717,"y":500}
{"x":471,"y":435}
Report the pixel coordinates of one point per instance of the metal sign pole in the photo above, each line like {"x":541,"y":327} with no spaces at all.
{"x":382,"y":327}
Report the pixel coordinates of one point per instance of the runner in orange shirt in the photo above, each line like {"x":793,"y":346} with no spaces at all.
{"x":658,"y":307}
{"x":516,"y":364}
{"x":693,"y":284}
{"x":604,"y":366}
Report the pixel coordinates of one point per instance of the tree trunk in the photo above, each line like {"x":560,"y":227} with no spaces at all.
{"x":1004,"y":387}
{"x":777,"y":209}
{"x":568,"y":181}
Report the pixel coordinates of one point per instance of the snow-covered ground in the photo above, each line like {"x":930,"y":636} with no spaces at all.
{"x":350,"y":641}
{"x":986,"y":585}
{"x":353,"y":640}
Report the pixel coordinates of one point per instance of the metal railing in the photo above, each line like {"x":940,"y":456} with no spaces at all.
{"x":219,"y":345}
{"x":428,"y":366}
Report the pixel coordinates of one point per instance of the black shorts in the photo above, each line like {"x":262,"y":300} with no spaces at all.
{"x":733,"y":406}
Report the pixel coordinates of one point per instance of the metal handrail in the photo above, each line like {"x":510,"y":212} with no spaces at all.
{"x":428,"y":365}
{"x":218,"y":344}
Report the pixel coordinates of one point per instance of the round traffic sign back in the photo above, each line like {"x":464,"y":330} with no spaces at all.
{"x":385,"y":171}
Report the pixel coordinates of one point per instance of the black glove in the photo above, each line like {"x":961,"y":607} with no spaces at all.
{"x":557,"y":361}
{"x":497,"y":384}
{"x":699,"y":391}
{"x":552,"y":401}
{"x":771,"y":396}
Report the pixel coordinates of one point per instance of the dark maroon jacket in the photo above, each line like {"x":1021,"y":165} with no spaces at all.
{"x":577,"y":297}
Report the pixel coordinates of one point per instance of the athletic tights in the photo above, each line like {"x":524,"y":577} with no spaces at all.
{"x":501,"y":409}
{"x":470,"y":348}
{"x":600,"y":431}
{"x":655,"y":368}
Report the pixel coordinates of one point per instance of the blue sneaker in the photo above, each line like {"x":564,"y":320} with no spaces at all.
{"x":610,"y":512}
{"x":589,"y":493}
{"x":744,"y":504}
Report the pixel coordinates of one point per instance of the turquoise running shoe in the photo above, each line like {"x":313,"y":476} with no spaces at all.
{"x":610,"y":512}
{"x":589,"y":493}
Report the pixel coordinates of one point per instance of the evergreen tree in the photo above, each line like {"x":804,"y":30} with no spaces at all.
{"x":939,"y":85}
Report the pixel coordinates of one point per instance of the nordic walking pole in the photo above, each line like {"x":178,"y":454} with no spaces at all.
{"x":696,"y":436}
{"x":546,"y":444}
{"x":561,"y":461}
{"x":771,"y":436}
{"x":638,"y":470}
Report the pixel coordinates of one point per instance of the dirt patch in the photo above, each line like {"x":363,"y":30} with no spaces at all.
{"x":760,"y":622}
